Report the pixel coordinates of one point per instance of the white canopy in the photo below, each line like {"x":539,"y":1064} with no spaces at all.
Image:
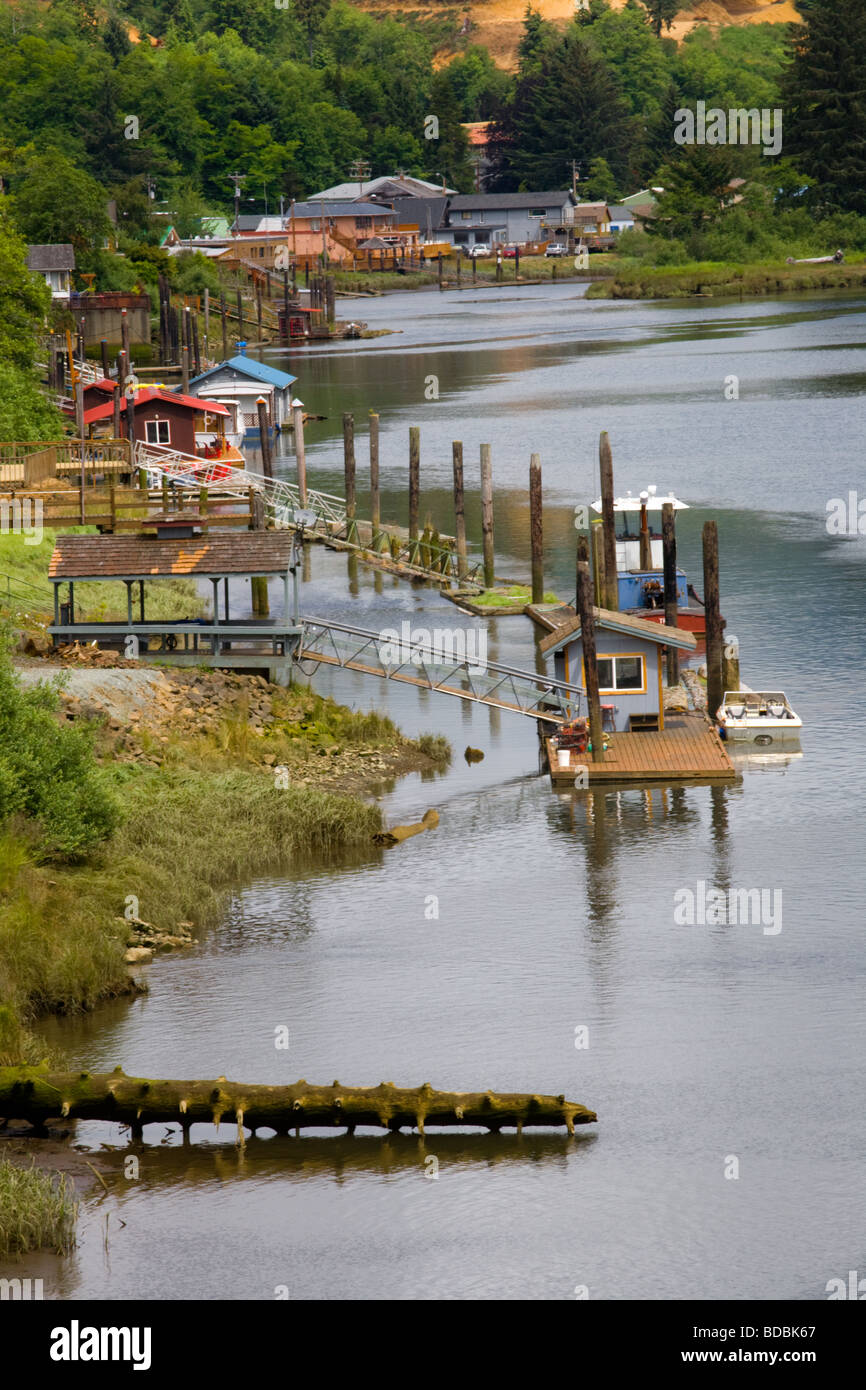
{"x":653,"y":501}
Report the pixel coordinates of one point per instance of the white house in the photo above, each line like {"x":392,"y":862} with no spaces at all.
{"x":55,"y":264}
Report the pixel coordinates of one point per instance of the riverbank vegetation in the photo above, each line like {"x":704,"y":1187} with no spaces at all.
{"x":89,"y":841}
{"x":37,"y":1211}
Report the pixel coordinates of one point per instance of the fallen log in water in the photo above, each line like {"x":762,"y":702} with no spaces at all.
{"x":37,"y":1095}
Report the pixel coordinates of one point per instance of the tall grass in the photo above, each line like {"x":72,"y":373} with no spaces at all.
{"x":37,"y":1211}
{"x":186,"y":838}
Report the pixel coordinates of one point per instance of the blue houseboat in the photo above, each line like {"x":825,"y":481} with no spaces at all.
{"x":629,"y":653}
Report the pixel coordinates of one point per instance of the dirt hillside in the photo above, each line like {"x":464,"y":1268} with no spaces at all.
{"x":497,"y":24}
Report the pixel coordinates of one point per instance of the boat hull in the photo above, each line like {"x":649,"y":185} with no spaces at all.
{"x":689,"y":619}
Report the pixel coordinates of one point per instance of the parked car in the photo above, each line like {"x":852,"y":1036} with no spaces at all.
{"x":510,"y":252}
{"x":480,"y":250}
{"x":556,"y":248}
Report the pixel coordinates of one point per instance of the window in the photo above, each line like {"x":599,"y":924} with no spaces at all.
{"x":537,"y":212}
{"x":467,"y":216}
{"x":156,"y":432}
{"x":621,"y":673}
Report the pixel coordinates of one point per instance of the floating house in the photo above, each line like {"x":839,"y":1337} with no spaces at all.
{"x":165,"y":419}
{"x":242,"y":380}
{"x":629,"y":651}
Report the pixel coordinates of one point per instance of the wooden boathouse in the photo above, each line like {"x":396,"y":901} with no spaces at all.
{"x":258,"y":644}
{"x":641,"y":743}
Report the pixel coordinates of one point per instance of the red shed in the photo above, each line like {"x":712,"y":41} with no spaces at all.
{"x":164,"y":417}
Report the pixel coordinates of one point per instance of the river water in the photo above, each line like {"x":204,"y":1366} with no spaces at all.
{"x":725,"y":1062}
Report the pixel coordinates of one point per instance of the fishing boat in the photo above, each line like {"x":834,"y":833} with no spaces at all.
{"x":757,"y":716}
{"x":640,"y":562}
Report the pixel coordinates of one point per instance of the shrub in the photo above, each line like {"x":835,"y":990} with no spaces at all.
{"x":48,"y":775}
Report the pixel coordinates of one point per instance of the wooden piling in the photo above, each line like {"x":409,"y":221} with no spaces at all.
{"x":582,"y":559}
{"x":124,"y":332}
{"x":349,"y":474}
{"x":300,"y":451}
{"x":259,"y":310}
{"x":224,"y":325}
{"x":122,"y":362}
{"x":103,"y":352}
{"x":590,"y":662}
{"x":597,"y":548}
{"x":265,"y":437}
{"x":439,"y":259}
{"x":414,"y":480}
{"x":196,"y":355}
{"x":608,"y":523}
{"x":459,"y":510}
{"x":713,"y":618}
{"x":645,"y":555}
{"x":184,"y":369}
{"x":669,"y":552}
{"x":239,"y":306}
{"x":375,"y":500}
{"x":536,"y":539}
{"x":487,"y":515}
{"x":206,"y":323}
{"x":115,"y":397}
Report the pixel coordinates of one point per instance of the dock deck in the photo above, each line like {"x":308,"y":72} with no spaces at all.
{"x":686,"y":750}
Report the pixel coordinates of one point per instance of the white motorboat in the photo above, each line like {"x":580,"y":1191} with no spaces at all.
{"x":757,"y":716}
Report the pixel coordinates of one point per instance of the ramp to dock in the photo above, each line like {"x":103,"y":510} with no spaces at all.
{"x":686,"y":750}
{"x":438,"y":667}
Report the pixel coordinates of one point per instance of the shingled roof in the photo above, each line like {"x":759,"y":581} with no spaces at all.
{"x":147,"y":557}
{"x":60,"y":256}
{"x":604,"y":618}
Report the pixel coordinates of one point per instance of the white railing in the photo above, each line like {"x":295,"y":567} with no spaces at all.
{"x":167,"y":465}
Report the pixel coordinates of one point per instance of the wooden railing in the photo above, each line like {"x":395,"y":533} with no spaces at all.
{"x":30,"y":464}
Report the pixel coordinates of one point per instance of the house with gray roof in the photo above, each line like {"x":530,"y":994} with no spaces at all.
{"x":503,"y":218}
{"x":55,"y":264}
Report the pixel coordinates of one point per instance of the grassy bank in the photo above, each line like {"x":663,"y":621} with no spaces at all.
{"x":192,"y":818}
{"x":722,"y":279}
{"x":37,"y":1211}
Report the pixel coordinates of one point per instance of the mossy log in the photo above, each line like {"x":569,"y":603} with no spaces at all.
{"x":37,"y":1095}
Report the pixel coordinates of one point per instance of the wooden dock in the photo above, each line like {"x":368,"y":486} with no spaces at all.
{"x":686,"y":750}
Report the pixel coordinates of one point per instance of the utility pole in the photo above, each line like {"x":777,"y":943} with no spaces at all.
{"x":237,"y":180}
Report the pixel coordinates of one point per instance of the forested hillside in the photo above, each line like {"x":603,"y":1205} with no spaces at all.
{"x":150,"y":105}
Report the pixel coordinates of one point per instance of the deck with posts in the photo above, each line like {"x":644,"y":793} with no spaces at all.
{"x":686,"y":750}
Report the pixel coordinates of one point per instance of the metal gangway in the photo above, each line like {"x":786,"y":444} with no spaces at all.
{"x":322,"y":515}
{"x":282,"y":499}
{"x":436,"y":665}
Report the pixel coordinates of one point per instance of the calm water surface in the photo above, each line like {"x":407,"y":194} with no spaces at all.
{"x":706,"y":1043}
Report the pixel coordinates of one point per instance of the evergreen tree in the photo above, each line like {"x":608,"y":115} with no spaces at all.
{"x":537,"y":35}
{"x":826,"y":102}
{"x":662,"y":12}
{"x":450,"y":153}
{"x":660,"y":146}
{"x":312,"y":15}
{"x":696,"y":191}
{"x":115,"y":37}
{"x":571,"y":109}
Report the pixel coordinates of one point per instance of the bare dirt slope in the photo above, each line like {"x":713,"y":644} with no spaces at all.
{"x":497,"y":24}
